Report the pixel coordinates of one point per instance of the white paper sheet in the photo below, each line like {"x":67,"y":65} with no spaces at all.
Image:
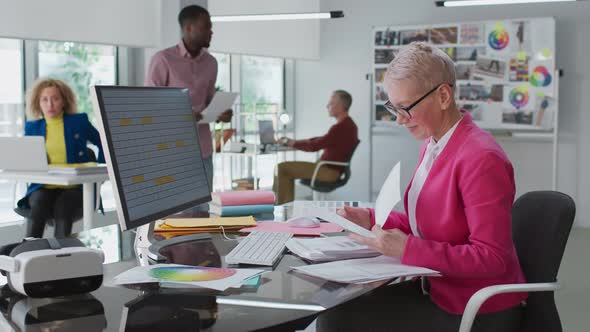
{"x":389,"y":195}
{"x":327,"y":249}
{"x":141,"y":274}
{"x":364,"y":270}
{"x":343,"y":222}
{"x":221,"y":102}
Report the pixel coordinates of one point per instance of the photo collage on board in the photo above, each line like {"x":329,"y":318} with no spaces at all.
{"x":504,"y":69}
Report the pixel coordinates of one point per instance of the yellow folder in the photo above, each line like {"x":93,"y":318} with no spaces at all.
{"x":204,"y":224}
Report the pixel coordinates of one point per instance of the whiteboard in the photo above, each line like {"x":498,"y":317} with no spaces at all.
{"x":505,"y":69}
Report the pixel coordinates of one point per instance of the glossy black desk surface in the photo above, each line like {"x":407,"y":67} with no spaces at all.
{"x":283,"y":300}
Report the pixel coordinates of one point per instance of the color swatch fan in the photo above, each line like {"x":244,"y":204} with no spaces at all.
{"x":190,"y":273}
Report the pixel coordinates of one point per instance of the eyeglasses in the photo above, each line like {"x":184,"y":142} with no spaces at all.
{"x":396,"y":110}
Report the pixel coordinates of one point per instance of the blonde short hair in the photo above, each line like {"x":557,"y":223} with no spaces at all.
{"x":34,"y":95}
{"x":423,"y":64}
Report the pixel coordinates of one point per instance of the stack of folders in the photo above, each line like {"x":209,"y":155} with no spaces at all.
{"x":172,"y":227}
{"x":242,"y":203}
{"x":78,"y":169}
{"x":329,"y":249}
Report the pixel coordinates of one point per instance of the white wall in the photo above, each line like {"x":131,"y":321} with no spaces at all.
{"x":346,"y":55}
{"x":114,"y":22}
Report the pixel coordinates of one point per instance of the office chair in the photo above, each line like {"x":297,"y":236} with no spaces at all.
{"x":26,"y":212}
{"x":541,"y":223}
{"x":321,"y":189}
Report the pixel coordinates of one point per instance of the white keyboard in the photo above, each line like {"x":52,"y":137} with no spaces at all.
{"x":259,"y":248}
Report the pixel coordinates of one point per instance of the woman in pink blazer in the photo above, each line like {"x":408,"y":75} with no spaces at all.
{"x":458,"y":213}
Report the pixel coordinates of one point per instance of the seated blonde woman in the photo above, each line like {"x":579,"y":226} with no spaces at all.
{"x":457,"y":217}
{"x":52,"y":113}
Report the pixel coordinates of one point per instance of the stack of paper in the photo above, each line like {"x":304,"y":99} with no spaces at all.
{"x":365,"y":270}
{"x":329,"y":249}
{"x":78,"y":169}
{"x":184,"y":226}
{"x":188,"y":276}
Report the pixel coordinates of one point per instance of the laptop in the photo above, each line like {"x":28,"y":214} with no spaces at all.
{"x":23,"y":153}
{"x":266,"y":131}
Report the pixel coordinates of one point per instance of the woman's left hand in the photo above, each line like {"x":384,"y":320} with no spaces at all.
{"x":389,"y":242}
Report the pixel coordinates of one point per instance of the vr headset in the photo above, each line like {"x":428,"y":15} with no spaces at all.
{"x":51,"y":267}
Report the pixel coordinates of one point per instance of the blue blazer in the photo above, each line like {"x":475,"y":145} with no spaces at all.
{"x":78,"y":131}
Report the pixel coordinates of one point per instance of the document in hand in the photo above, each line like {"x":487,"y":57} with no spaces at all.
{"x":344,"y":223}
{"x":222,"y":101}
{"x":365,"y":270}
{"x":389,"y":196}
{"x":327,"y":249}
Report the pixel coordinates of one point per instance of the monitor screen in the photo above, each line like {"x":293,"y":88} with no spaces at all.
{"x":152,"y":151}
{"x":267,"y":132}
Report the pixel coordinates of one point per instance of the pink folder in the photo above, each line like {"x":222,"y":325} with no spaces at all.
{"x":279,"y":226}
{"x":243,"y":197}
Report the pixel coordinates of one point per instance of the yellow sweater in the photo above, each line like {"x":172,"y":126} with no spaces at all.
{"x":55,"y":143}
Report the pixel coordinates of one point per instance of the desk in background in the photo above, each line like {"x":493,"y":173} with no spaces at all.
{"x":43,"y":177}
{"x":252,"y":153}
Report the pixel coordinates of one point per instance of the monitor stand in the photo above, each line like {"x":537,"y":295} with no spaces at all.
{"x":146,"y":248}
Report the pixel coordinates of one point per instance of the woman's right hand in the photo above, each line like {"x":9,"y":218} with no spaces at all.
{"x":359,"y":216}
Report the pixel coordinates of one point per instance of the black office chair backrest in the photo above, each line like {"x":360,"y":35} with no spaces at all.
{"x":541,"y":223}
{"x":345,"y":176}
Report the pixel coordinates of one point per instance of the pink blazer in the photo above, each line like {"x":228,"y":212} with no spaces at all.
{"x":464,"y":215}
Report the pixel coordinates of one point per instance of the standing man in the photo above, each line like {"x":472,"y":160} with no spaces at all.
{"x":189,"y":65}
{"x":338,"y":145}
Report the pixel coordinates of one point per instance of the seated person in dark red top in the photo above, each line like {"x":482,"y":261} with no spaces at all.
{"x":338,"y":145}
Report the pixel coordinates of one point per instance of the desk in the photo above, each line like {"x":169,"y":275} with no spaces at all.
{"x":284,"y":301}
{"x":43,"y":177}
{"x":252,"y":153}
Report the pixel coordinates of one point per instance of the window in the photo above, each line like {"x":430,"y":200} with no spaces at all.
{"x":223,"y":82}
{"x":262,"y":89}
{"x":79,"y":65}
{"x":11,"y":111}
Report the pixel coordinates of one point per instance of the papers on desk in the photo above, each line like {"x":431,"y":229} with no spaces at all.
{"x":78,"y":169}
{"x":365,"y":270}
{"x":329,"y":249}
{"x":389,"y":196}
{"x":189,"y":276}
{"x":283,"y":227}
{"x":222,"y":101}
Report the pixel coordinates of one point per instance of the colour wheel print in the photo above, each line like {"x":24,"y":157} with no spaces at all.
{"x":540,"y":76}
{"x":498,"y":38}
{"x":519,"y":97}
{"x":190,"y":273}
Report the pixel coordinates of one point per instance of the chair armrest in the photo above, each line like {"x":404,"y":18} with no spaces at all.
{"x":322,"y":163}
{"x":484,"y":294}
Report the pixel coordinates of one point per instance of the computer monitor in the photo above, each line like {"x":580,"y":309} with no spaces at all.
{"x":149,"y":136}
{"x":266,"y":131}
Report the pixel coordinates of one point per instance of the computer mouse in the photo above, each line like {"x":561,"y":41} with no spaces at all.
{"x":306,"y":222}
